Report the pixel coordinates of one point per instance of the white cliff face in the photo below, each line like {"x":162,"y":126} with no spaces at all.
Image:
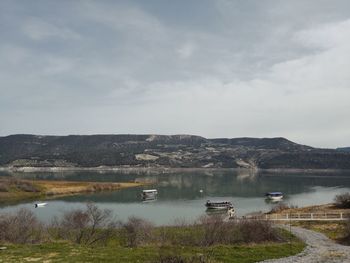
{"x":146,"y":157}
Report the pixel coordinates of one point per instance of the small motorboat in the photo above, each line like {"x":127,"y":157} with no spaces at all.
{"x":150,"y":194}
{"x":224,"y":205}
{"x":37,"y":205}
{"x":274,"y":196}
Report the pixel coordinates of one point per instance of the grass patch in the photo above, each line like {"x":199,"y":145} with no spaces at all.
{"x":66,"y":252}
{"x":333,"y":230}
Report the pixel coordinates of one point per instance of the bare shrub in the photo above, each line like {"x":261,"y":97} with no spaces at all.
{"x":214,"y":229}
{"x":256,"y":231}
{"x":4,"y":187}
{"x":342,"y":200}
{"x":137,"y":231}
{"x":181,"y":233}
{"x":89,"y":226}
{"x":21,"y":227}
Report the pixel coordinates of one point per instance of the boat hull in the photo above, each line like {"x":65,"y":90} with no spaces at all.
{"x":218,"y":205}
{"x":275,"y":198}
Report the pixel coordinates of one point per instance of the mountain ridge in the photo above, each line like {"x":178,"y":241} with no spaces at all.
{"x":177,"y":151}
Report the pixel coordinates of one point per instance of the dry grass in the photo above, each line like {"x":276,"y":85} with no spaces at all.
{"x":68,"y":187}
{"x":12,"y":189}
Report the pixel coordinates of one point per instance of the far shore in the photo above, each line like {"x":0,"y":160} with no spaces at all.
{"x":19,"y":189}
{"x":161,"y":169}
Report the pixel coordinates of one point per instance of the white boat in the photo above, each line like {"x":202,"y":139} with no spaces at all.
{"x":36,"y":205}
{"x":219,"y":205}
{"x":149,"y":194}
{"x":275,"y":196}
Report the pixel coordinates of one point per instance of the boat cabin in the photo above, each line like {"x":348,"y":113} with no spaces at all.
{"x":149,"y":194}
{"x":218,"y":205}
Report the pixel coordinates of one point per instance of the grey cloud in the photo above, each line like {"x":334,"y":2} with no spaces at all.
{"x":221,"y":68}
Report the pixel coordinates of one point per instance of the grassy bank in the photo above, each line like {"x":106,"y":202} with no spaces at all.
{"x":115,"y":251}
{"x":65,"y":252}
{"x":12,"y":189}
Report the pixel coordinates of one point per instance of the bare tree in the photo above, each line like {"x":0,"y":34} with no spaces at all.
{"x":214,"y":229}
{"x":21,"y":227}
{"x":137,"y":231}
{"x":89,"y":226}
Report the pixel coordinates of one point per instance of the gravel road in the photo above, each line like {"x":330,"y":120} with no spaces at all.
{"x":319,"y":249}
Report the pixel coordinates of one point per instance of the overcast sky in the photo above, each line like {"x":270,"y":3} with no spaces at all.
{"x":211,"y":68}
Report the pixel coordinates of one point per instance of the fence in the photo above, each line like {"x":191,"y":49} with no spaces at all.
{"x":306,"y":217}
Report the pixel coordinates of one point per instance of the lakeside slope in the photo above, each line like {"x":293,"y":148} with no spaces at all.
{"x":164,"y":151}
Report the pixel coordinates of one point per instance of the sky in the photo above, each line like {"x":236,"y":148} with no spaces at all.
{"x":214,"y":68}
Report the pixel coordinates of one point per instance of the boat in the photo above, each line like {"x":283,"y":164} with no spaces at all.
{"x":275,"y":196}
{"x":36,"y":205}
{"x":218,"y":205}
{"x":150,"y":194}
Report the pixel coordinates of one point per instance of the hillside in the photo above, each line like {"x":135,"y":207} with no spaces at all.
{"x":344,"y":149}
{"x":165,"y":151}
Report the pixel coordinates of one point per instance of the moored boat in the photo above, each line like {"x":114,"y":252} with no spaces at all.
{"x":275,"y":196}
{"x":36,"y":205}
{"x":218,"y":205}
{"x":150,"y":194}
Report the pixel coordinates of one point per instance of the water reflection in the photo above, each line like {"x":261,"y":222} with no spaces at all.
{"x":183,"y":194}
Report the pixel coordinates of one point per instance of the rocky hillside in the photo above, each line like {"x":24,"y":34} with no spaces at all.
{"x":164,"y":151}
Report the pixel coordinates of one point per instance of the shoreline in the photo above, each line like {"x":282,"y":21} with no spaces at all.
{"x":27,"y":169}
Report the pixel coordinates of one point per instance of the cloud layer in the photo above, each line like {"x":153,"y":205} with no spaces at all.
{"x":221,"y":69}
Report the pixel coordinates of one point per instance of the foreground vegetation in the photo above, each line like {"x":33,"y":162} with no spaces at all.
{"x":13,"y":189}
{"x":66,"y":252}
{"x":92,"y":235}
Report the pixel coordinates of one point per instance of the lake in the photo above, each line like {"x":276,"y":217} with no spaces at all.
{"x":179,"y":195}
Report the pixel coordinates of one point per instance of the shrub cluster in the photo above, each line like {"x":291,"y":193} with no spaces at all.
{"x":4,"y":187}
{"x":92,"y":226}
{"x":89,"y":226}
{"x":21,"y":227}
{"x":213,"y":230}
{"x":342,"y":200}
{"x":137,"y":231}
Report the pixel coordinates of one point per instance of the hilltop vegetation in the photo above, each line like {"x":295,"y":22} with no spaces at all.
{"x":165,"y":151}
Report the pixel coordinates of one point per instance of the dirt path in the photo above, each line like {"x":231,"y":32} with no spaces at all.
{"x":319,"y":249}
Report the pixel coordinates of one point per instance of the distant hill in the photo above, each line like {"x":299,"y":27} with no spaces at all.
{"x":165,"y":151}
{"x":343,"y":149}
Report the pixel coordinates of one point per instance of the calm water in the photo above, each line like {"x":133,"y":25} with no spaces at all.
{"x":179,"y":195}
